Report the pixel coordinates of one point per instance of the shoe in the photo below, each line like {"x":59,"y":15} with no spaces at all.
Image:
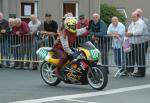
{"x":130,"y":74}
{"x":7,"y":66}
{"x":138,"y":75}
{"x":20,"y":67}
{"x":35,"y":68}
{"x":1,"y":66}
{"x":13,"y":67}
{"x":107,"y":71}
{"x":27,"y":64}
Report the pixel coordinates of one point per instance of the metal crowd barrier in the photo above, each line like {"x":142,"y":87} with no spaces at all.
{"x":138,"y":56}
{"x":14,"y":48}
{"x":21,"y":48}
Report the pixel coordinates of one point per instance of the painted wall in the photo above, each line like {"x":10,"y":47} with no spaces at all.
{"x":55,"y":7}
{"x":0,"y":5}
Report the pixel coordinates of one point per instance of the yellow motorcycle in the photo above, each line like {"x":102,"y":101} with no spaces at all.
{"x":85,"y":69}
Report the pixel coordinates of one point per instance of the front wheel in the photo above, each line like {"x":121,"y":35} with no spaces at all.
{"x":48,"y":74}
{"x":98,"y":78}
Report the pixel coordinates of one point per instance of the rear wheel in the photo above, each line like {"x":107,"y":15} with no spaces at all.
{"x":48,"y":74}
{"x":99,"y":78}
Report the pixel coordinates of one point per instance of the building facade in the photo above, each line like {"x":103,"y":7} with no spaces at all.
{"x":24,"y":8}
{"x":130,"y":5}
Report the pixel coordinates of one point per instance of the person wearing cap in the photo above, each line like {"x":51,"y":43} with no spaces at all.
{"x":48,"y":27}
{"x":83,"y":22}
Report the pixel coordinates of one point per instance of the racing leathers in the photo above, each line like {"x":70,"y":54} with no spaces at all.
{"x":62,"y":47}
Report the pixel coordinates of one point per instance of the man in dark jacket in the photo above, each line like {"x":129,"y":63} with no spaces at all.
{"x":48,"y":27}
{"x":3,"y":39}
{"x":98,"y":30}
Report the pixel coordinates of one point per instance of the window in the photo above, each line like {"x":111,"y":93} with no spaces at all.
{"x":70,"y":7}
{"x":27,"y":9}
{"x":123,"y":11}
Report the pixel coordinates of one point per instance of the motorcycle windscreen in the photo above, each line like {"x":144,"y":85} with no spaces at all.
{"x":91,"y":51}
{"x":88,"y":45}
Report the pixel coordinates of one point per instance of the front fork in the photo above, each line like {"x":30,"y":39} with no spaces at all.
{"x":86,"y":67}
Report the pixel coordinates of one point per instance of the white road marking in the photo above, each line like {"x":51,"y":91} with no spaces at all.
{"x":73,"y":100}
{"x":89,"y":94}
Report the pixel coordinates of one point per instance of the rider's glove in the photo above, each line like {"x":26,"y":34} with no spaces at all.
{"x":73,"y":56}
{"x":87,"y":28}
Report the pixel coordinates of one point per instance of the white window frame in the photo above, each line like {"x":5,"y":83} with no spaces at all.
{"x":35,"y":8}
{"x":123,"y":11}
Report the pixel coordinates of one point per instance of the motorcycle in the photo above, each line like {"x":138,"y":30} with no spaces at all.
{"x":85,"y":69}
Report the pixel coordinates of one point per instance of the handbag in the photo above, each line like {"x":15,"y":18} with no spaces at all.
{"x":127,"y":46}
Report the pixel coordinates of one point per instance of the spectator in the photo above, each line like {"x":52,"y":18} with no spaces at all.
{"x":68,"y":14}
{"x":32,"y":45}
{"x":117,"y":30}
{"x":12,"y":37}
{"x":9,"y":40}
{"x":140,"y":14}
{"x":11,"y":23}
{"x":98,"y":30}
{"x":20,"y":29}
{"x":34,"y":24}
{"x":136,"y":30}
{"x":83,"y":22}
{"x":48,"y":27}
{"x":3,"y":40}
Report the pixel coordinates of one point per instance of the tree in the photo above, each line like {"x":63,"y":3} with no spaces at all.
{"x":108,"y":11}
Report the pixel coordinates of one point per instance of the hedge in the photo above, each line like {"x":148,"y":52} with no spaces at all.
{"x":108,"y":11}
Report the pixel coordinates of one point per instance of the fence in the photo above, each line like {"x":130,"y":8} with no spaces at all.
{"x":14,"y":48}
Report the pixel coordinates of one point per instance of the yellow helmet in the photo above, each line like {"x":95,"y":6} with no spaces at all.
{"x":70,"y":24}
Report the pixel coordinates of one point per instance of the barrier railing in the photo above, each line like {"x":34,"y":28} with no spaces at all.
{"x":23,"y":49}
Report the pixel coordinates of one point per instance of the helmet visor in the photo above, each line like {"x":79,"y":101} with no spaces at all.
{"x":73,"y":27}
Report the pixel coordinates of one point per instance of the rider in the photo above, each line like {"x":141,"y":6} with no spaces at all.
{"x":67,"y":38}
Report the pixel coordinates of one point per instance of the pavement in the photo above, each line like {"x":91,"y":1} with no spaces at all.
{"x":27,"y":86}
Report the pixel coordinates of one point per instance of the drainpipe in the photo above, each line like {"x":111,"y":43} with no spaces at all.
{"x":37,"y":2}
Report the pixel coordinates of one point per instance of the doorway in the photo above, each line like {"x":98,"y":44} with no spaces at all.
{"x":70,"y":7}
